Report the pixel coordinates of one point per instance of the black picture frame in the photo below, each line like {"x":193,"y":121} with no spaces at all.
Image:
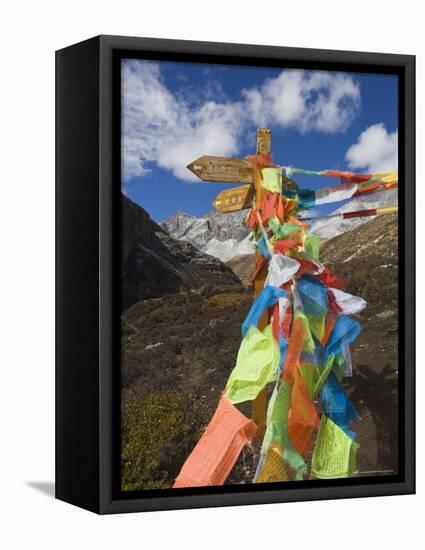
{"x":87,"y":273}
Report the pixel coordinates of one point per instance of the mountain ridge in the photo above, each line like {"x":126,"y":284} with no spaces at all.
{"x":220,"y":235}
{"x":153,"y":264}
{"x":225,"y":236}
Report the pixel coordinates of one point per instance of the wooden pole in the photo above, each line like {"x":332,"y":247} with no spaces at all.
{"x":259,"y":405}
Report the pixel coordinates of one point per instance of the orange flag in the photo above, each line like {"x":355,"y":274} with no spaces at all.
{"x":216,"y":452}
{"x":303,"y":419}
{"x":295,"y":347}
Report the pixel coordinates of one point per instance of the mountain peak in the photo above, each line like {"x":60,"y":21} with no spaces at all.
{"x":220,"y":235}
{"x":180,"y":214}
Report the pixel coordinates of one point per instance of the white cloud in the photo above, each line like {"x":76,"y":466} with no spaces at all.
{"x":172,"y":131}
{"x":305,"y":100}
{"x":156,"y":126}
{"x":376,"y":150}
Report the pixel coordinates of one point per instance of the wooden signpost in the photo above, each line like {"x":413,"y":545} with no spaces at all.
{"x":223,"y":169}
{"x":234,"y":199}
{"x":233,"y":170}
{"x":259,"y":405}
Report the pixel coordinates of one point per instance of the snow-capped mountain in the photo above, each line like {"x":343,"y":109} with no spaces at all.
{"x":221,"y":235}
{"x":225,"y":236}
{"x":328,"y":228}
{"x":226,"y":250}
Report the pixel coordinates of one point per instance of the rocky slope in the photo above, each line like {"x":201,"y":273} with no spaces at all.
{"x":367,"y":259}
{"x":154,"y":264}
{"x":243,"y":267}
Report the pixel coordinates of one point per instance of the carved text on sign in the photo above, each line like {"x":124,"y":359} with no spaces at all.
{"x":234,"y":199}
{"x":209,"y":168}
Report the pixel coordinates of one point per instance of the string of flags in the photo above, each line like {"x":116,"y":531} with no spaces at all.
{"x":302,"y":355}
{"x":380,"y":211}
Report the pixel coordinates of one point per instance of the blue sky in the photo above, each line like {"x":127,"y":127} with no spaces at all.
{"x":175,"y":112}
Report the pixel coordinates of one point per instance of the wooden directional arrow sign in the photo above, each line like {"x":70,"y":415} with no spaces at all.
{"x":223,"y":169}
{"x":234,"y":199}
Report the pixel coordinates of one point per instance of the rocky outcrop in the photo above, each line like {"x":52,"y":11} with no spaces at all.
{"x":217,"y":234}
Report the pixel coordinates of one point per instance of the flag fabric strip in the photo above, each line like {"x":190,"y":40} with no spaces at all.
{"x":218,"y":449}
{"x":381,"y":211}
{"x":387,"y":178}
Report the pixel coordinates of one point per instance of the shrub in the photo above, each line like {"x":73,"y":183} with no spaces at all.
{"x":158,"y":433}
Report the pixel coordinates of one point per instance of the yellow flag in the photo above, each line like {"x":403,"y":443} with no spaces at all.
{"x":274,"y":468}
{"x":272,"y":179}
{"x":334,"y":453}
{"x":386,"y":177}
{"x":257,"y":364}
